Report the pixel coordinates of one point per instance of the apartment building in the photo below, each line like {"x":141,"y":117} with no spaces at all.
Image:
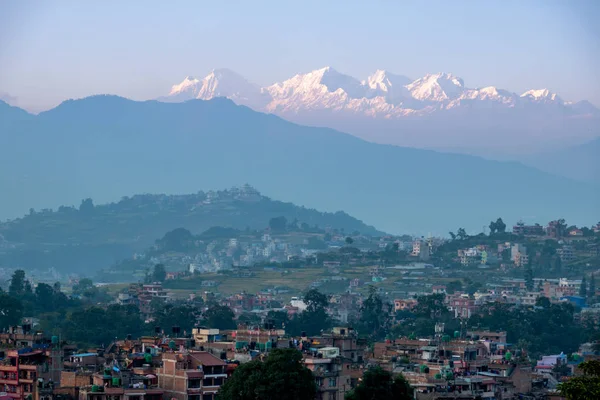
{"x":191,"y":375}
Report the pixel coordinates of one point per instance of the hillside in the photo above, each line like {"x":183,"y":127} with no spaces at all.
{"x":104,"y":147}
{"x":96,"y":236}
{"x":580,"y":162}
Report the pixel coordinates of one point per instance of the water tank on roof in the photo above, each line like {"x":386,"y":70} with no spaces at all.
{"x":456,"y":334}
{"x":508,"y":356}
{"x":424,"y":369}
{"x":172,"y":345}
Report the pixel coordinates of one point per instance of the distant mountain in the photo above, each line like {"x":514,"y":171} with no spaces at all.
{"x":104,"y":147}
{"x":10,"y":115}
{"x":434,"y":111}
{"x":581,"y":162}
{"x":97,"y":236}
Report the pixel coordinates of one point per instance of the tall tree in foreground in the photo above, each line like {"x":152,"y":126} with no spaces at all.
{"x":282,"y":376}
{"x":585,"y":387}
{"x":378,"y":384}
{"x":583,"y":288}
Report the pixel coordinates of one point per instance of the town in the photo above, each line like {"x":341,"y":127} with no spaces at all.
{"x":503,"y":315}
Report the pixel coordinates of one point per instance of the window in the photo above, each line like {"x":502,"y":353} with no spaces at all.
{"x":194,"y":397}
{"x":332,"y":382}
{"x":207,"y":397}
{"x":194,"y":383}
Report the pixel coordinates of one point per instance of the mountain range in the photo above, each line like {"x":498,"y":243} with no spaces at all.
{"x":435,"y":111}
{"x":105,"y":147}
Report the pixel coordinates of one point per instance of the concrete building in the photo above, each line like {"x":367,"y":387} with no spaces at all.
{"x":191,"y":375}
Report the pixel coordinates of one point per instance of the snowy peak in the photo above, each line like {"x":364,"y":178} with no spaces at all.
{"x":380,"y":95}
{"x":542,"y":96}
{"x":437,"y":87}
{"x":187,"y":89}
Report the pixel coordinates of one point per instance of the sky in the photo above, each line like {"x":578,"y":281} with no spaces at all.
{"x":54,"y":50}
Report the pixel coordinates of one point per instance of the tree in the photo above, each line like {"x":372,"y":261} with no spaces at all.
{"x":584,"y":387}
{"x":315,"y":300}
{"x":349,"y":240}
{"x":249,"y":319}
{"x":556,"y":264}
{"x":373,"y":318}
{"x":179,"y":239}
{"x":461,"y":234}
{"x":220,"y":317}
{"x":282,"y":376}
{"x":11,"y":311}
{"x":529,"y":278}
{"x":583,"y":288}
{"x":454,"y":286}
{"x":492,"y":228}
{"x":452,"y":235}
{"x":17,"y":283}
{"x":44,"y":297}
{"x":159,"y":274}
{"x":87,"y":206}
{"x":278,"y":318}
{"x":378,"y":384}
{"x":278,"y":224}
{"x":592,"y":291}
{"x":500,"y":226}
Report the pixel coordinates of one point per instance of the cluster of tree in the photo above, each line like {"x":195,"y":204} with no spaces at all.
{"x":585,"y":386}
{"x":547,"y":328}
{"x":283,"y":376}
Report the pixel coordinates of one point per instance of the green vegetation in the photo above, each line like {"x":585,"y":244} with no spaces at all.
{"x":95,"y":235}
{"x":378,"y":384}
{"x":584,"y":387}
{"x":281,"y":376}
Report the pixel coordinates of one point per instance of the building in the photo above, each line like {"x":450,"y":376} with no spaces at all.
{"x":518,"y":254}
{"x":191,"y":375}
{"x":521,"y":229}
{"x":404,"y":304}
{"x":566,"y":253}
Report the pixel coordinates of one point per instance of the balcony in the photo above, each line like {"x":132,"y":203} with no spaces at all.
{"x":12,"y":382}
{"x":28,"y":367}
{"x":8,"y":368}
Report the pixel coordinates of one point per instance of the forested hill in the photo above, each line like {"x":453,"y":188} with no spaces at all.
{"x":93,"y":236}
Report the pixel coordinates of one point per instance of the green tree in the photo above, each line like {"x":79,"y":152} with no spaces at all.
{"x":278,"y":224}
{"x":583,"y":287}
{"x":249,"y":319}
{"x":592,"y":291}
{"x":282,"y":376}
{"x":176,"y":315}
{"x":17,"y":283}
{"x":374,"y":319}
{"x":461,"y":234}
{"x":159,"y":274}
{"x":378,"y":384}
{"x":454,"y":286}
{"x":220,"y":317}
{"x":11,"y":310}
{"x":529,"y":278}
{"x":584,"y":387}
{"x":278,"y":318}
{"x":44,"y":297}
{"x":349,"y":240}
{"x":500,"y":226}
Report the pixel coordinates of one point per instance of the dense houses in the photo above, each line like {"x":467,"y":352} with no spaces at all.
{"x":471,"y":363}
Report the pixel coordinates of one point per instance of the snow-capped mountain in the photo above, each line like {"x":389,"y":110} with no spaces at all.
{"x":382,"y":94}
{"x":390,"y":108}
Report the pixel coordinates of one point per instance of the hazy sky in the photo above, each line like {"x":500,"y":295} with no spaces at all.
{"x":53,"y":50}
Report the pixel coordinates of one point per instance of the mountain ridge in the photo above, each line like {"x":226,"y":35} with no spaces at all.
{"x":392,"y":109}
{"x":104,"y":147}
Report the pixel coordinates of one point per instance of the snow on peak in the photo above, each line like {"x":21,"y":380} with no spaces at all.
{"x":542,"y":96}
{"x":385,"y":81}
{"x":189,"y":85}
{"x":437,"y":87}
{"x":382,"y":94}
